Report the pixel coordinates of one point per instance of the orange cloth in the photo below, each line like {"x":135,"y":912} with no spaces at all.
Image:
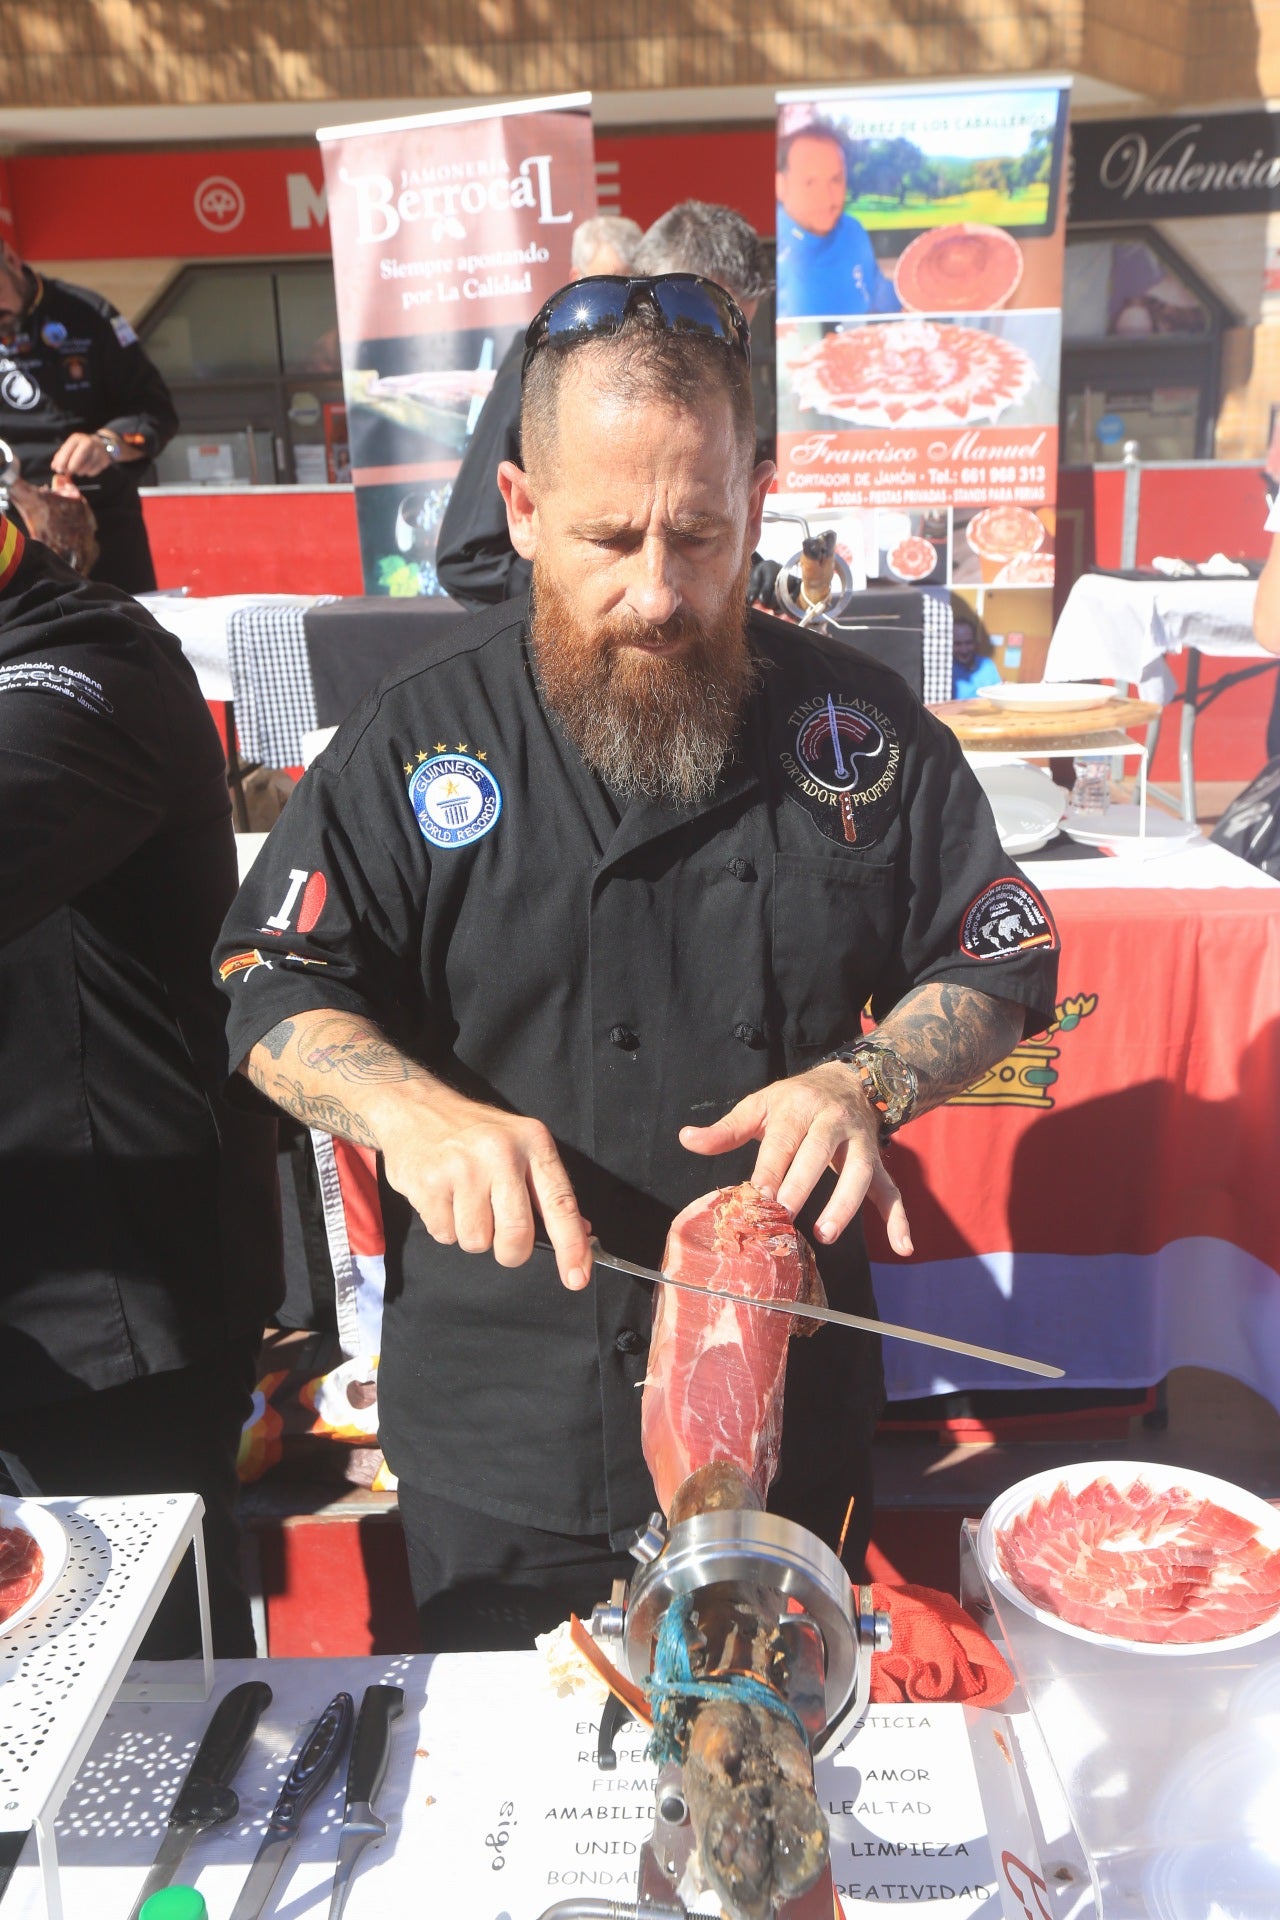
{"x":938,"y":1652}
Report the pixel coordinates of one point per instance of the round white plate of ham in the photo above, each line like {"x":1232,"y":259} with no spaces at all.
{"x":33,"y":1552}
{"x":1152,"y":1558}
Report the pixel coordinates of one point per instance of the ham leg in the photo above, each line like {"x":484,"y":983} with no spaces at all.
{"x":717,"y":1371}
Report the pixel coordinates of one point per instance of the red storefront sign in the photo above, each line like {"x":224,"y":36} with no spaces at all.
{"x":271,"y":201}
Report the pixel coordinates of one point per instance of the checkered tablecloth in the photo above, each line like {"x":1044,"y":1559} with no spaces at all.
{"x":271,"y":685}
{"x":937,"y":648}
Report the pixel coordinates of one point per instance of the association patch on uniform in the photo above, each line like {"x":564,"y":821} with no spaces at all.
{"x":1007,"y":917}
{"x":842,"y":758}
{"x":18,"y":388}
{"x":53,"y":333}
{"x":455,"y":799}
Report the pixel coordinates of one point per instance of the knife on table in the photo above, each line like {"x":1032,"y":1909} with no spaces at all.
{"x":829,"y":1316}
{"x":370,"y":1751}
{"x":205,"y":1798}
{"x":319,"y":1756}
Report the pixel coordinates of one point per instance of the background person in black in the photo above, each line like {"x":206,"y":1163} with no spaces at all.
{"x":568,"y":919}
{"x":141,"y":1223}
{"x":79,"y":397}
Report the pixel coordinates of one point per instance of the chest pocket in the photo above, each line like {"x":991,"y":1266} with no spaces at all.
{"x":833,"y":924}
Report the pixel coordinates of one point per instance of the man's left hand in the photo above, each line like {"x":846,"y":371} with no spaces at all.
{"x":817,"y":1120}
{"x":82,"y":455}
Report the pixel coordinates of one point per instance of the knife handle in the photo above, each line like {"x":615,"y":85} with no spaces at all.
{"x":205,"y":1797}
{"x":319,"y":1757}
{"x":371,"y":1748}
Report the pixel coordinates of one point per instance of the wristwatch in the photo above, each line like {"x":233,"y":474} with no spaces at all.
{"x":889,"y":1081}
{"x":112,"y":442}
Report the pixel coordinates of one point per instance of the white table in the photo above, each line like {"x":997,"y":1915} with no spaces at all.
{"x":493,"y":1802}
{"x":1114,"y":629}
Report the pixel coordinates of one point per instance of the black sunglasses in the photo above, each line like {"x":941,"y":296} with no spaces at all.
{"x":595,"y":308}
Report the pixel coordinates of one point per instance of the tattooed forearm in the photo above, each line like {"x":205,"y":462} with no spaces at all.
{"x":951,"y":1035}
{"x":319,"y":1110}
{"x":354,"y":1050}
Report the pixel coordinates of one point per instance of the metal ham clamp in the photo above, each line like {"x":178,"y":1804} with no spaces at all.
{"x":754,"y":1650}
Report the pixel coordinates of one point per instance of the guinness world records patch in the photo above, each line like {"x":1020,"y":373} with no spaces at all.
{"x":455,"y":799}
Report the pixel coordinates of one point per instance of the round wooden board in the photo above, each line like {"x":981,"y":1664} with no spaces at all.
{"x":981,"y":723}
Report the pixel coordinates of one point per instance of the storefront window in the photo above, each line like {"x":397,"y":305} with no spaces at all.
{"x":251,"y":355}
{"x":1141,"y":351}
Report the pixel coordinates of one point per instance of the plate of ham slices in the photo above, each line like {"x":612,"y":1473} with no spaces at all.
{"x":1152,"y":1558}
{"x":33,"y":1554}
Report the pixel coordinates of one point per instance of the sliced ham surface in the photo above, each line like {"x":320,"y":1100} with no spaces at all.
{"x":1142,"y":1564}
{"x":21,"y":1569}
{"x":716,"y":1368}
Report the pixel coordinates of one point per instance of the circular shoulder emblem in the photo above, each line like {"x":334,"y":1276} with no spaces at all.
{"x":19,"y":389}
{"x":455,"y":799}
{"x":1006,"y":917}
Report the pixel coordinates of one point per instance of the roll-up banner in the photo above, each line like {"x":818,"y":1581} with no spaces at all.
{"x":449,"y":231}
{"x":920,"y":255}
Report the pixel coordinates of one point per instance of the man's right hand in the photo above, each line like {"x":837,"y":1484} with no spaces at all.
{"x":473,"y":1173}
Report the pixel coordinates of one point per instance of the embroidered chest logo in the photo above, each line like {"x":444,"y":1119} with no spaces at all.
{"x":843,"y":763}
{"x":19,"y":389}
{"x":454,"y":796}
{"x":1007,"y":917}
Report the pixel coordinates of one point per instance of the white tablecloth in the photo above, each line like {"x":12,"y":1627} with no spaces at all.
{"x":1197,"y":865}
{"x":1113,"y":629}
{"x":493,"y":1802}
{"x":201,"y":628}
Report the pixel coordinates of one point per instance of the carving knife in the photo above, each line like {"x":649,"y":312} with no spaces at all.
{"x":370,"y":1751}
{"x":205,"y":1798}
{"x":316,"y":1761}
{"x":830,"y":1316}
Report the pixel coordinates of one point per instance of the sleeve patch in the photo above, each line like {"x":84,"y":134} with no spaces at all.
{"x":1007,"y":917}
{"x":123,"y":331}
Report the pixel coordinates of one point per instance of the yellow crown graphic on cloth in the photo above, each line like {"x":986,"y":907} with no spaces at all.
{"x":1023,"y":1078}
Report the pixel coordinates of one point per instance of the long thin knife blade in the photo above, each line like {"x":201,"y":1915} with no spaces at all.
{"x":831,"y":1316}
{"x":205,"y":1798}
{"x":315,"y":1762}
{"x":366,"y":1771}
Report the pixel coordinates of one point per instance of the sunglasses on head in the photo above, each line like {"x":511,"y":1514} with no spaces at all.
{"x":596,"y":308}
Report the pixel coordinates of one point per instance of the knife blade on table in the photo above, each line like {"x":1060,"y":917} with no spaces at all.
{"x":205,"y":1798}
{"x":370,"y":1751}
{"x":829,"y":1316}
{"x":316,"y":1760}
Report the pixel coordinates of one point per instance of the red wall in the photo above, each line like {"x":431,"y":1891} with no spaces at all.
{"x":255,"y":542}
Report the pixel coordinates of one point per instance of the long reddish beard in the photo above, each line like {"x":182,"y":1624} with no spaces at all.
{"x":645,"y":725}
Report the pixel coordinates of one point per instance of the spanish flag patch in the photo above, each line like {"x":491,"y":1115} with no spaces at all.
{"x":11,"y":545}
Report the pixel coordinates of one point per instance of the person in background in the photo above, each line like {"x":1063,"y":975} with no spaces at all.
{"x":141,"y":1215}
{"x":972,"y":667}
{"x":717,"y":242}
{"x":475,"y":561}
{"x":826,"y":265}
{"x":80,"y":400}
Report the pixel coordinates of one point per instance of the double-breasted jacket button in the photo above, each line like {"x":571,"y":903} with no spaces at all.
{"x":629,"y":1341}
{"x":624,"y":1037}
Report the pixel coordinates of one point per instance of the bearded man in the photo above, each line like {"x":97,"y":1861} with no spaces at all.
{"x":575,"y":918}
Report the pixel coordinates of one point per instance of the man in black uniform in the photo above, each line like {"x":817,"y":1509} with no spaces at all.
{"x":594,"y":891}
{"x":79,"y":397}
{"x":141,"y":1224}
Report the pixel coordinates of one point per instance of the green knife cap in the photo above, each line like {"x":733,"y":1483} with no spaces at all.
{"x":175,"y":1903}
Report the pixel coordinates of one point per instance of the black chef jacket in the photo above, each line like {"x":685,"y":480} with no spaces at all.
{"x":451,"y":868}
{"x":74,"y":367}
{"x":475,"y":560}
{"x":139,"y":1224}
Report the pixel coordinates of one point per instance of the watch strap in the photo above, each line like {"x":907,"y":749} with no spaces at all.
{"x":889,"y":1082}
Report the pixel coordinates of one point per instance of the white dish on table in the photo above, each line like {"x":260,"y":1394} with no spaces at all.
{"x":50,"y":1536}
{"x":1122,"y":1474}
{"x":1118,"y":828}
{"x":1050,"y":696}
{"x":1026,"y":802}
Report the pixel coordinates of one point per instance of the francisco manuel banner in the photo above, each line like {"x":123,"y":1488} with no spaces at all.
{"x":449,"y":230}
{"x":920,"y":254}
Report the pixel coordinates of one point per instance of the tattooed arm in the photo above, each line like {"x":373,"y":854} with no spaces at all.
{"x":473,"y":1173}
{"x":948,"y":1036}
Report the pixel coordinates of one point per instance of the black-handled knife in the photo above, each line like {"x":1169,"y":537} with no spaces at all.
{"x":370,"y":1751}
{"x":321,"y":1751}
{"x":205,"y":1798}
